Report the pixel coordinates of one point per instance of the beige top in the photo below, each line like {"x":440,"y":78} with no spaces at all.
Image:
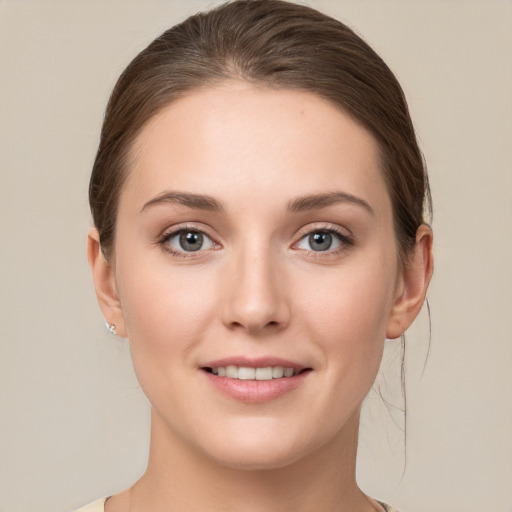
{"x":99,"y":506}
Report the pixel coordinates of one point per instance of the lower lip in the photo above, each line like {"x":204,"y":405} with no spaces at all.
{"x":256,"y":391}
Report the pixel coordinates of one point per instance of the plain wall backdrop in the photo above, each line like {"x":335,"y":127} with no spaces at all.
{"x":73,"y":421}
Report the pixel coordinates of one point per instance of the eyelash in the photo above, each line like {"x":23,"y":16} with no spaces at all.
{"x":164,"y":239}
{"x":345,"y":240}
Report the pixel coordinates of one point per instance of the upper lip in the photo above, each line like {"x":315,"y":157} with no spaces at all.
{"x":258,"y":362}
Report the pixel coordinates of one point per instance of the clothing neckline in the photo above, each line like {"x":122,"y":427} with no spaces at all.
{"x":385,"y":506}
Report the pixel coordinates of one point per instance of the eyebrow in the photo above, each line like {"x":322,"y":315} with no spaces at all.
{"x":195,"y":201}
{"x":299,"y":204}
{"x":318,"y":201}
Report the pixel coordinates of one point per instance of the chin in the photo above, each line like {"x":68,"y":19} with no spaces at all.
{"x":253,"y":453}
{"x":255,"y":461}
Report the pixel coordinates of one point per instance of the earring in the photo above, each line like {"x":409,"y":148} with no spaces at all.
{"x":111,"y":328}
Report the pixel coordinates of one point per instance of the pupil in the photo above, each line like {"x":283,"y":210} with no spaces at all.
{"x":320,"y":241}
{"x":191,"y":240}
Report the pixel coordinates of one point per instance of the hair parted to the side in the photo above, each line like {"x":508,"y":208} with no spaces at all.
{"x":276,"y":44}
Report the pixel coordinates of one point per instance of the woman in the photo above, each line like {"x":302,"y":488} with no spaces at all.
{"x":258,"y":199}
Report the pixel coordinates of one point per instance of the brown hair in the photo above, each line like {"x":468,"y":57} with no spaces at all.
{"x":277,"y":44}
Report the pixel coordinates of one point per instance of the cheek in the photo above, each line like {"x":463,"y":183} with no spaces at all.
{"x":346,"y":310}
{"x":354,"y":299}
{"x":166,"y":310}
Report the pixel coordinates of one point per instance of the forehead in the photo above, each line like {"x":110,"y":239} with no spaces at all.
{"x":241,"y":141}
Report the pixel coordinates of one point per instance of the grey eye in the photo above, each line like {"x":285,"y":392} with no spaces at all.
{"x":190,"y":241}
{"x":319,"y":241}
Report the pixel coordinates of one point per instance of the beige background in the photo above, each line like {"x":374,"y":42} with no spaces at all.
{"x":73,"y":421}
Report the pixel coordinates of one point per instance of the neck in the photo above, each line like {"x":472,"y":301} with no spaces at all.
{"x":180,"y":478}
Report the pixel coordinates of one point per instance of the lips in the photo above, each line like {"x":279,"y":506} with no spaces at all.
{"x":255,"y":380}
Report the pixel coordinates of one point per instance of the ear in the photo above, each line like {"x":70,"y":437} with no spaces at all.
{"x":412,"y":285}
{"x":105,"y":284}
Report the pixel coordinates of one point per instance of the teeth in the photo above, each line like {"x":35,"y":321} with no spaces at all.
{"x":246,"y":373}
{"x":277,"y":372}
{"x":263,"y":373}
{"x":288,"y":372}
{"x":232,"y":372}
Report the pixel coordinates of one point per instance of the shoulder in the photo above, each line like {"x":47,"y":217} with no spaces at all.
{"x":386,"y":507}
{"x":95,"y":506}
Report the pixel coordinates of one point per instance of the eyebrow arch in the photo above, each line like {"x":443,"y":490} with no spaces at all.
{"x":299,"y":204}
{"x":196,"y":201}
{"x":317,"y":201}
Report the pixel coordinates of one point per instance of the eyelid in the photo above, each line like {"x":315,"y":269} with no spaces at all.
{"x":326,"y":227}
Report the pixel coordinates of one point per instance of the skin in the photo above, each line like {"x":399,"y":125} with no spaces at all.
{"x":257,"y":289}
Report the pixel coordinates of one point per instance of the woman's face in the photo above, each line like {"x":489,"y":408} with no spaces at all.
{"x":255,"y":235}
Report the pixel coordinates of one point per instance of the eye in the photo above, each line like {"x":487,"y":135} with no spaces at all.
{"x":188,"y":240}
{"x":322,"y":240}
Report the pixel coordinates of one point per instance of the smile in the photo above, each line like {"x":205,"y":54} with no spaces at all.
{"x":249,"y":373}
{"x":255,"y":380}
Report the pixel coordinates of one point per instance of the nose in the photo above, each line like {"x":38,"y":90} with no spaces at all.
{"x":256,"y":296}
